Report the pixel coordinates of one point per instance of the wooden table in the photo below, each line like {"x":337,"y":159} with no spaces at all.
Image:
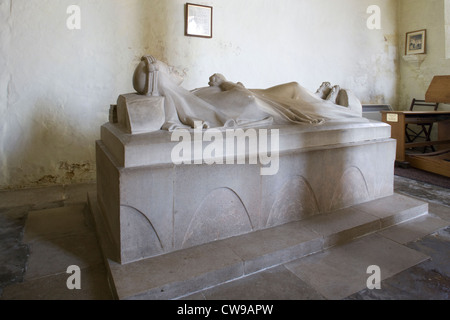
{"x":434,"y":162}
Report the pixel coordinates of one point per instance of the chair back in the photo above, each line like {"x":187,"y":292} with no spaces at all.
{"x":416,"y":102}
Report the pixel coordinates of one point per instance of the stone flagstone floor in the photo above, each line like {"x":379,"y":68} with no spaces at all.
{"x":44,"y":231}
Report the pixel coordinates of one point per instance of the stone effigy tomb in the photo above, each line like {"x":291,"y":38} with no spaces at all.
{"x":178,"y":168}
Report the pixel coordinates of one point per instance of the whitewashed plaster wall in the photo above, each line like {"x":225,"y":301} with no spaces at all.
{"x":56,"y":84}
{"x":447,"y":28}
{"x":265,"y":42}
{"x":417,"y":15}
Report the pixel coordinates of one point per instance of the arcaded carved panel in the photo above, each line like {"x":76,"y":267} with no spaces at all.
{"x":138,"y":237}
{"x":221,"y":215}
{"x":295,"y":201}
{"x":194,"y":184}
{"x":351,"y":188}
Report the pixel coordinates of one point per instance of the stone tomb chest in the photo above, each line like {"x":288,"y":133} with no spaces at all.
{"x":153,"y":205}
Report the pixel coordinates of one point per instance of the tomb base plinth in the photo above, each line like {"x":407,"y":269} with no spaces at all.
{"x":151,"y":207}
{"x":185,"y":272}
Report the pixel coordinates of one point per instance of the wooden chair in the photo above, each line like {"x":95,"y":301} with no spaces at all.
{"x":425,"y":128}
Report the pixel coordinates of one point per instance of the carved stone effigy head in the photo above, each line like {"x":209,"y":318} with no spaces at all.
{"x":145,"y":77}
{"x":141,"y":78}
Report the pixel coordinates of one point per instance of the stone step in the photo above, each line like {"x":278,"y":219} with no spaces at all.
{"x":190,"y":270}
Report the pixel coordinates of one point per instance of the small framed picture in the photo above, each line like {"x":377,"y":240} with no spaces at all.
{"x":199,"y":20}
{"x":416,"y":42}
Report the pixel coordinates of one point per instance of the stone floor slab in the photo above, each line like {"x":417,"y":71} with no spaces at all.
{"x":54,"y":223}
{"x":342,"y":271}
{"x":414,"y":284}
{"x":421,"y":190}
{"x":94,"y":286}
{"x":414,"y":229}
{"x":31,"y":197}
{"x":13,"y":260}
{"x":55,"y":255}
{"x":176,"y":274}
{"x":173,"y":275}
{"x":47,"y":196}
{"x":342,"y":226}
{"x":437,"y":246}
{"x":440,"y":211}
{"x":77,"y":193}
{"x":394,"y":209}
{"x":273,"y":284}
{"x":13,"y":253}
{"x":429,"y":280}
{"x":267,"y":248}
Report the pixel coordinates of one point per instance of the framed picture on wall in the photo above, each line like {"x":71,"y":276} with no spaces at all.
{"x":198,"y":20}
{"x":416,"y":42}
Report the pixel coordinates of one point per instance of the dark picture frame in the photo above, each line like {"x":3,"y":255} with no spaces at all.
{"x":416,"y":42}
{"x":199,"y":20}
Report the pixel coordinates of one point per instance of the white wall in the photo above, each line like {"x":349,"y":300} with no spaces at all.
{"x":56,"y":84}
{"x":415,"y":80}
{"x":265,"y":42}
{"x":447,"y":28}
